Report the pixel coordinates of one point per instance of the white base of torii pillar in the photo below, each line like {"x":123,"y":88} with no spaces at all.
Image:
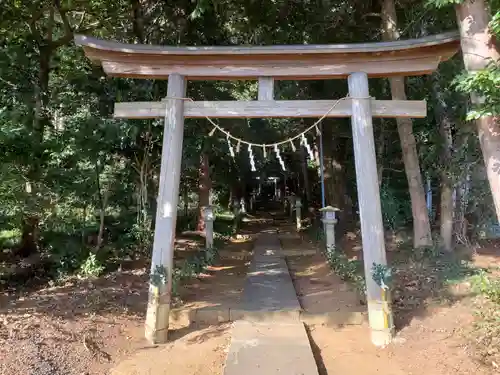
{"x":162,"y":262}
{"x":372,"y":229}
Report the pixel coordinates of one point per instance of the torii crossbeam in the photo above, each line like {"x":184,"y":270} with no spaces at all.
{"x":357,"y":62}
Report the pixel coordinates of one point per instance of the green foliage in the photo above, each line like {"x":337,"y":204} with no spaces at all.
{"x":142,"y":236}
{"x":159,"y":276}
{"x":91,"y":267}
{"x":9,"y":238}
{"x":382,"y":275}
{"x":68,"y":254}
{"x":486,"y":285}
{"x":395,"y":210}
{"x":193,"y":266}
{"x":486,"y":83}
{"x":443,"y":3}
{"x":350,"y":270}
{"x":495,"y":23}
{"x":186,"y":222}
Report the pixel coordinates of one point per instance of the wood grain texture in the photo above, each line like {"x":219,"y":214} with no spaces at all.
{"x":370,"y":212}
{"x":379,"y":59}
{"x":290,"y":71}
{"x":270,"y":108}
{"x":166,"y":214}
{"x":266,"y":88}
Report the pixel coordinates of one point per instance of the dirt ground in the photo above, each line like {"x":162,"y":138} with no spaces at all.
{"x":96,"y":327}
{"x":89,"y":327}
{"x":200,"y":352}
{"x":431,"y":338}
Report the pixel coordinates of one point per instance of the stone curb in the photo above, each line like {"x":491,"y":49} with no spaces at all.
{"x":206,"y":316}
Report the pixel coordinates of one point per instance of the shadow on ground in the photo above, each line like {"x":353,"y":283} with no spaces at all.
{"x":423,"y":279}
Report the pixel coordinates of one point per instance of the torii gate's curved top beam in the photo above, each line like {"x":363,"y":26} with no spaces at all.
{"x":378,"y":59}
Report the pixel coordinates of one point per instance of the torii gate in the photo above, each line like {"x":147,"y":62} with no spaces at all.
{"x":357,"y":62}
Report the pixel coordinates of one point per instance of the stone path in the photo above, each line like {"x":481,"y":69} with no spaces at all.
{"x":271,"y":338}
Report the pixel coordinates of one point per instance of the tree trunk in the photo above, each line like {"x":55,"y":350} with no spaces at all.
{"x":305,"y":172}
{"x":204,"y":186}
{"x":335,"y":180}
{"x":31,"y":221}
{"x":446,"y":200}
{"x":478,"y":49}
{"x":185,"y":197}
{"x":102,"y":216}
{"x":103,"y":202}
{"x":461,"y":224}
{"x":421,"y":227}
{"x":138,"y":20}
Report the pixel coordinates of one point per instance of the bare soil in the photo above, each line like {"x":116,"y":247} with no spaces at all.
{"x":200,"y":352}
{"x":433,"y":326}
{"x":91,"y":326}
{"x":95,"y":327}
{"x":319,"y":290}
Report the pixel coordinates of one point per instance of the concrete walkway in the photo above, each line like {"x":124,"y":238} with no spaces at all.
{"x":270,"y":339}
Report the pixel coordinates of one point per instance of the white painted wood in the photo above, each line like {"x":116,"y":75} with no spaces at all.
{"x":278,"y":108}
{"x":372,"y":229}
{"x":266,"y":88}
{"x":166,"y":215}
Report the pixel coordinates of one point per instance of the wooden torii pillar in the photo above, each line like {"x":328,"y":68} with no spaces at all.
{"x":357,"y":62}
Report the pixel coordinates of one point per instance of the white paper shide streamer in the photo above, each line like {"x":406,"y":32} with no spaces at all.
{"x":230,"y":146}
{"x":306,"y":145}
{"x":252,"y":160}
{"x":278,"y":156}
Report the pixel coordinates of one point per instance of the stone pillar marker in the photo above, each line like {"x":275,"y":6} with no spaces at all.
{"x":298,"y":213}
{"x":329,"y":220}
{"x":291,"y":204}
{"x":370,"y":211}
{"x":162,"y":260}
{"x":236,"y":207}
{"x":252,"y":201}
{"x":237,"y":214}
{"x":209,"y":218}
{"x":242,"y":205}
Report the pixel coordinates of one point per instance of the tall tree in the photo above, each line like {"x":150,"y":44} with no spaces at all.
{"x":480,"y":50}
{"x":204,"y":187}
{"x":421,"y":226}
{"x":443,"y":118}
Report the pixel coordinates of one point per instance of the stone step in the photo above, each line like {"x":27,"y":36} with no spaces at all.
{"x":268,"y":286}
{"x":269,"y":349}
{"x":278,"y":344}
{"x":212,"y":315}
